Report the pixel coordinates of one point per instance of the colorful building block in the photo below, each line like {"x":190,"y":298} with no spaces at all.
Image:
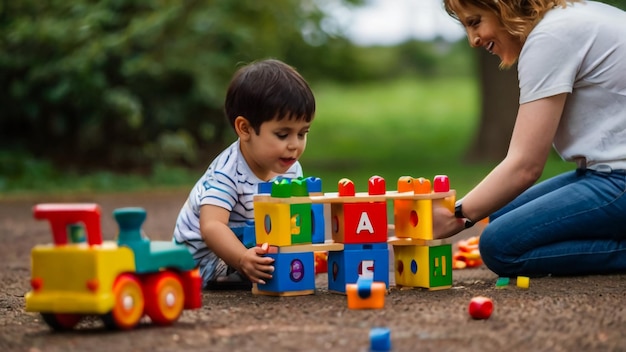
{"x":357,"y":261}
{"x":380,"y":340}
{"x":294,"y":274}
{"x":359,"y":222}
{"x":366,"y":294}
{"x":318,"y":223}
{"x":423,"y":266}
{"x":284,"y":218}
{"x":523,"y":281}
{"x":502,"y":282}
{"x":413,"y":217}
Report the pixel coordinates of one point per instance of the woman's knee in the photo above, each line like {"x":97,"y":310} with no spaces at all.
{"x":493,"y":253}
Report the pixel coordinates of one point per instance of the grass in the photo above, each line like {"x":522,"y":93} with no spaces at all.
{"x":414,"y":127}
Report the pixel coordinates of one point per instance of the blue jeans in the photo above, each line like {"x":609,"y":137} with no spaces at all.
{"x":571,"y":224}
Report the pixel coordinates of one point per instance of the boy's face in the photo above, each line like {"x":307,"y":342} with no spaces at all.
{"x":276,"y":148}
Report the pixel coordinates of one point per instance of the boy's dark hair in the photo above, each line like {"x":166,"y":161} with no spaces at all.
{"x":268,"y":89}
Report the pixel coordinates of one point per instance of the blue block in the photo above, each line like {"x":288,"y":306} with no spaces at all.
{"x":292,"y":272}
{"x":365,"y":246}
{"x":249,"y":236}
{"x":380,"y":339}
{"x":345,"y":267}
{"x":246,"y":234}
{"x":317,"y":223}
{"x":264,"y":188}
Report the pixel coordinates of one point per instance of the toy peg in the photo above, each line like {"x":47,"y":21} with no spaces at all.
{"x":299,"y":188}
{"x":441,"y":184}
{"x":314,"y":184}
{"x":421,"y":186}
{"x":405,"y":184}
{"x":281,"y":188}
{"x":376,"y":186}
{"x":346,"y":188}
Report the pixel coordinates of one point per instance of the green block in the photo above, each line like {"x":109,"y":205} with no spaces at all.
{"x":502,"y":282}
{"x":301,"y":216}
{"x":440,"y":260}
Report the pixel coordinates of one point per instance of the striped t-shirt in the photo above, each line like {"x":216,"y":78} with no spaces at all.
{"x":228,"y":183}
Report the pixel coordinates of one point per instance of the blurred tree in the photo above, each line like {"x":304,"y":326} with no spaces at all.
{"x":499,"y":104}
{"x":123,"y":83}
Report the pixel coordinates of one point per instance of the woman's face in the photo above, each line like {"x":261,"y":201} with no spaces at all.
{"x":485,"y":30}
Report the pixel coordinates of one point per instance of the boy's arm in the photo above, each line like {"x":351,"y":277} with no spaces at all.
{"x":220,"y":239}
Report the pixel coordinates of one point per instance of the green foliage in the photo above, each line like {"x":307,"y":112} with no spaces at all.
{"x":122,"y":84}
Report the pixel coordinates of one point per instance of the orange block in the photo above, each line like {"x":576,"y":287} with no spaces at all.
{"x":366,"y":294}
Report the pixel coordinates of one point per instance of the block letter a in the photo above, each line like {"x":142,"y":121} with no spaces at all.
{"x":364,"y":224}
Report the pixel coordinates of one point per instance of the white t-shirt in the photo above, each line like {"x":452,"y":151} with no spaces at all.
{"x":581,"y":50}
{"x":228,"y":183}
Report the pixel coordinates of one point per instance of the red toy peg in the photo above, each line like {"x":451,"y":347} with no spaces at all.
{"x":376,"y":186}
{"x":441,"y":183}
{"x":346,"y":188}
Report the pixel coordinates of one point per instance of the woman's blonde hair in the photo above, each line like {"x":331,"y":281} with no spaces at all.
{"x":518,"y":17}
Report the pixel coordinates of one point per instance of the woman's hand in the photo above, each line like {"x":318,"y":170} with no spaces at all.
{"x":445,"y":224}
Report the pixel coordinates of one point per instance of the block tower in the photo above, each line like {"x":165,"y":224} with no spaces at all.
{"x":359,"y":221}
{"x":420,"y":260}
{"x":293,"y":228}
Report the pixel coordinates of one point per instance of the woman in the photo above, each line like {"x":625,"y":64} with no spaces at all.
{"x":571,"y":59}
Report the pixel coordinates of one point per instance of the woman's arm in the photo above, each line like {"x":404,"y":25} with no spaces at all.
{"x":530,"y":146}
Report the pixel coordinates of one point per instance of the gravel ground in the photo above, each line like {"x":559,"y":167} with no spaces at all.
{"x":554,"y":314}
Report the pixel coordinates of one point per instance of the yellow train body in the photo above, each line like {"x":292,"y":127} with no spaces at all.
{"x":76,"y":278}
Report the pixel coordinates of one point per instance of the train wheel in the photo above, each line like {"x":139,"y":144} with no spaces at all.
{"x":165,"y":298}
{"x":61,"y":321}
{"x":129,"y":304}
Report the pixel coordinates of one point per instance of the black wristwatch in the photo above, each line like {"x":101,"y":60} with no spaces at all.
{"x":458,"y":213}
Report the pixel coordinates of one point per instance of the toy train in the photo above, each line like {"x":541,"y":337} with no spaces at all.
{"x":120,"y":281}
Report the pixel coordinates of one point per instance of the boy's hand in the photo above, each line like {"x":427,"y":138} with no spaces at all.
{"x":255,"y":266}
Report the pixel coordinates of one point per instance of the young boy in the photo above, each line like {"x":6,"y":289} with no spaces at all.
{"x":271,"y":107}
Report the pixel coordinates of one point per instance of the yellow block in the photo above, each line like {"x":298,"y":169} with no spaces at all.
{"x":411,"y":266}
{"x":414,"y":218}
{"x":523,"y":281}
{"x":272,"y":223}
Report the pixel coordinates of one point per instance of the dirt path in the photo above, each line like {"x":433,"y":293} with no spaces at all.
{"x":554,"y":314}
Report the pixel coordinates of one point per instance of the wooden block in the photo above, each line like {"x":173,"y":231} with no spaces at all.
{"x":397,"y":241}
{"x":256,"y":291}
{"x":366,"y":294}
